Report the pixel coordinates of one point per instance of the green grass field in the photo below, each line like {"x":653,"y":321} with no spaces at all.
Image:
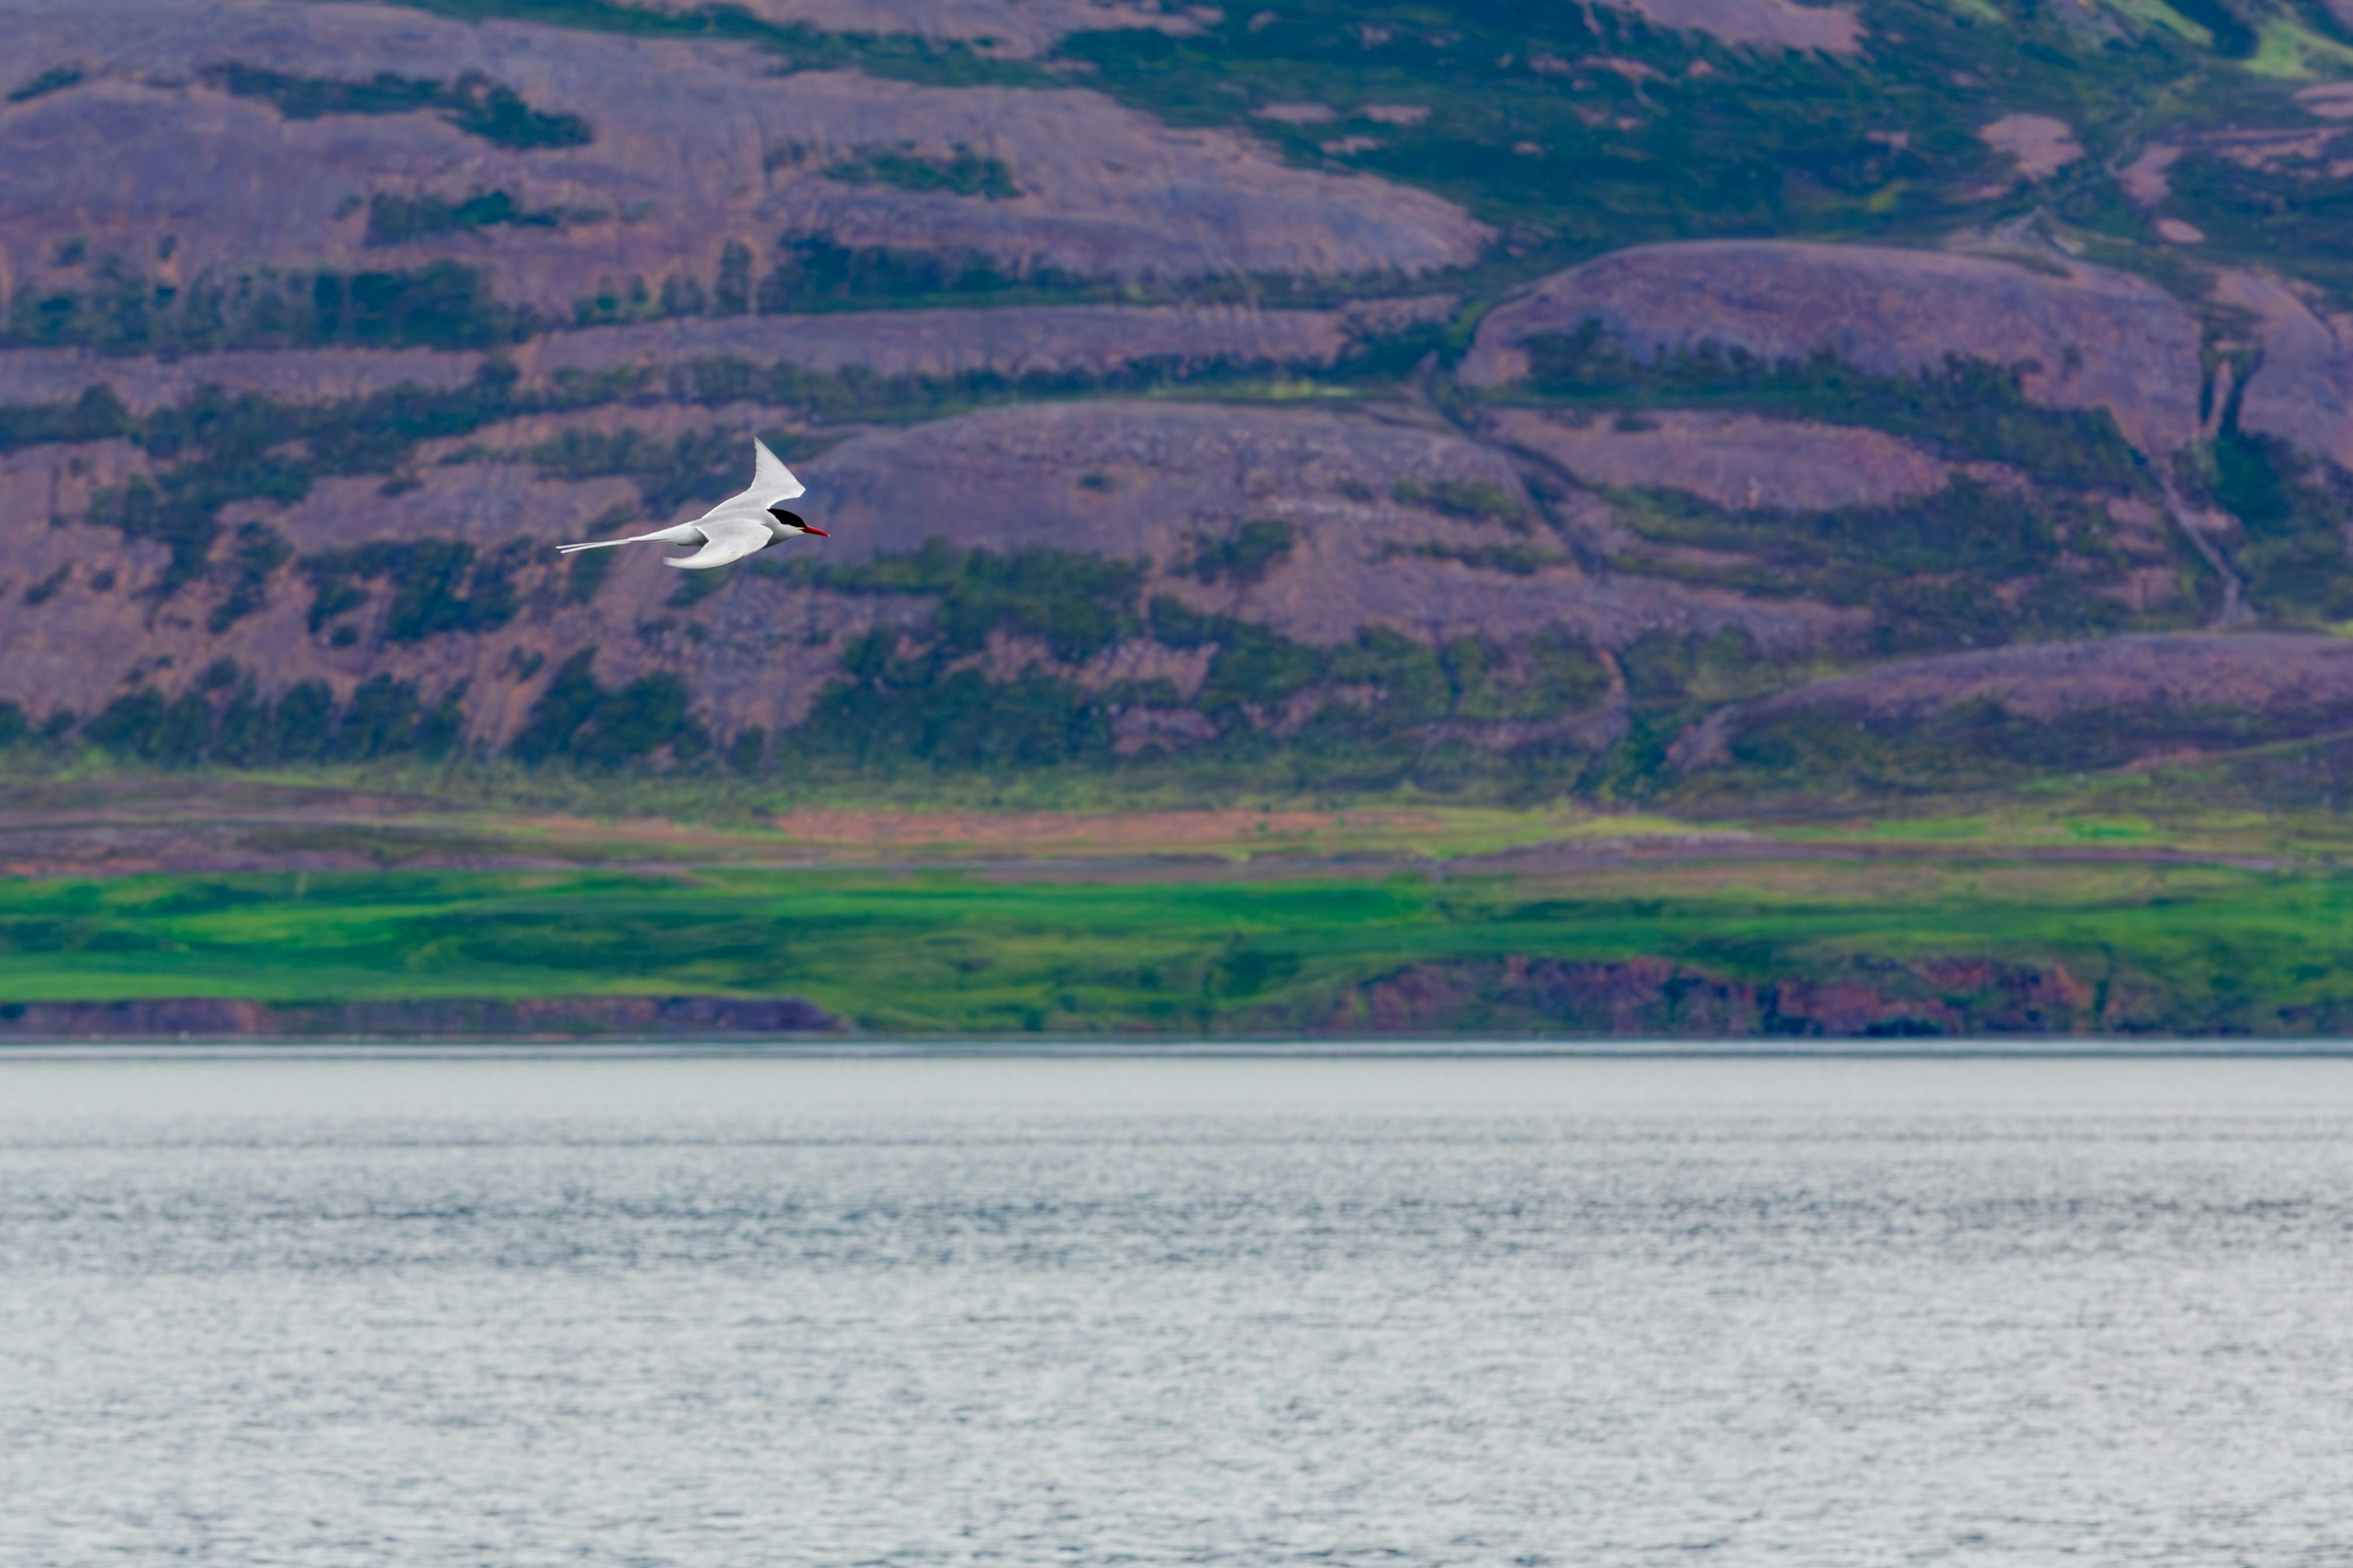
{"x":2139,"y":947}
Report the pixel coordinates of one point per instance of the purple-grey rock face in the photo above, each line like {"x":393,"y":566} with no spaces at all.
{"x":2301,"y":387}
{"x":2087,"y":337}
{"x":1742,"y":462}
{"x":613,"y":221}
{"x":2306,"y":680}
{"x":184,"y":146}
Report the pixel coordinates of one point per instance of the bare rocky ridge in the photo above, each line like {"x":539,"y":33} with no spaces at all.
{"x":2039,"y":146}
{"x":1140,"y":479}
{"x":2095,"y":339}
{"x":2302,"y":390}
{"x":665,"y":182}
{"x":1739,"y":461}
{"x":2272,"y":674}
{"x":1119,"y":479}
{"x":1749,"y":23}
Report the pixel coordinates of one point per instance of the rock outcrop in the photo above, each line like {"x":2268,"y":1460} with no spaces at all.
{"x":1738,"y":461}
{"x":618,"y":158}
{"x":445,"y":1019}
{"x":1129,"y":480}
{"x":1758,"y":24}
{"x":2039,"y":146}
{"x":1652,"y":998}
{"x":2089,"y":338}
{"x":2303,"y":681}
{"x":2302,"y":388}
{"x":1143,"y":480}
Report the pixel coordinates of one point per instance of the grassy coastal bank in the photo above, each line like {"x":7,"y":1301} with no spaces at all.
{"x":1703,"y":944}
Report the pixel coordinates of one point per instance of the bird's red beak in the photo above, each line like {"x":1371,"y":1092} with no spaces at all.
{"x":818,"y":532}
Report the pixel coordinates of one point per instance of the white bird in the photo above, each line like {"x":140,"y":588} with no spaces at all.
{"x":734,"y":528}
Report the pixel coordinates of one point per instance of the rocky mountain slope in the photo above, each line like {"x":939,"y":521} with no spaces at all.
{"x":1638,"y":399}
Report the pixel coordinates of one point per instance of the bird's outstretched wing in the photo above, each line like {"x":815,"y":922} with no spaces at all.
{"x":772,"y":482}
{"x":729,"y":539}
{"x":772,"y":485}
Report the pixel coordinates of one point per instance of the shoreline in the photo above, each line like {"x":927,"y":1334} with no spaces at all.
{"x":1076,"y":1049}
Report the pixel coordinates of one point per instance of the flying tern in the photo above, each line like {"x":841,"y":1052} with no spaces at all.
{"x":734,"y":528}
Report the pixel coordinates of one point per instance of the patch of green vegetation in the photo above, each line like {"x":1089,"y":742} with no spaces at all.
{"x":473,"y":103}
{"x":42,"y":592}
{"x":2291,"y":213}
{"x":2109,"y":830}
{"x":1077,"y":605}
{"x":1394,"y":686}
{"x":2296,"y":512}
{"x":1472,"y":499}
{"x":97,"y":416}
{"x":1576,"y":131}
{"x":813,"y":273}
{"x":1968,"y":567}
{"x":56,"y":79}
{"x":856,"y":394}
{"x":966,"y":174}
{"x":585,"y":572}
{"x":1977,"y":745}
{"x":1245,"y":555}
{"x":395,"y":219}
{"x":2230,"y":37}
{"x":2288,"y":49}
{"x":261,"y":549}
{"x":698,"y":585}
{"x":1968,"y":409}
{"x":179,"y":509}
{"x":1519,"y":560}
{"x":2310,"y":775}
{"x":698,"y":466}
{"x":217,"y":448}
{"x":893,"y":710}
{"x":438,"y":585}
{"x":1671,"y":680}
{"x":578,"y":720}
{"x":920,"y":696}
{"x":2185,"y":950}
{"x":122,"y":310}
{"x":1662,"y":668}
{"x":2158,"y":14}
{"x":223,"y":719}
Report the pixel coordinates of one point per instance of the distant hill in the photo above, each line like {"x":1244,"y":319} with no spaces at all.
{"x":1651,"y":398}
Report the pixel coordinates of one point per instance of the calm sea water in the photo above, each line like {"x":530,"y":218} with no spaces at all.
{"x":721,"y":1313}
